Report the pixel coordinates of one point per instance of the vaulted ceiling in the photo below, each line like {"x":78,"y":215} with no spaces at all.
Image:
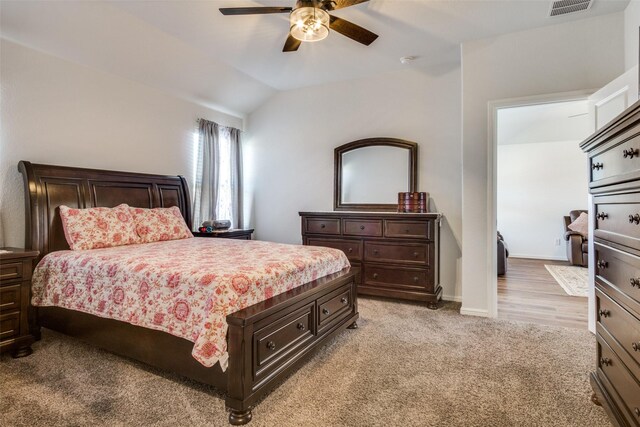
{"x":235,"y":63}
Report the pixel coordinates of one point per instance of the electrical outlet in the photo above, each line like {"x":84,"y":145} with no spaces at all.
{"x":557,"y":242}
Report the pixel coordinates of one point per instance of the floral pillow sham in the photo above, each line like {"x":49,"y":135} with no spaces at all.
{"x":95,"y":228}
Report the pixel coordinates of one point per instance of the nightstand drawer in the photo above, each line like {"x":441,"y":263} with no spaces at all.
{"x":10,"y":270}
{"x":9,"y":325}
{"x":9,"y":298}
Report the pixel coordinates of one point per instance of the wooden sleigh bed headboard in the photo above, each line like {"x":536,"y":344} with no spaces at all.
{"x":47,"y":187}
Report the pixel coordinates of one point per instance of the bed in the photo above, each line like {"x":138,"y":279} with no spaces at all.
{"x":265,"y":341}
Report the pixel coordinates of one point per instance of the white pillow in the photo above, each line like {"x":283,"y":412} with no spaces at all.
{"x":581,"y":225}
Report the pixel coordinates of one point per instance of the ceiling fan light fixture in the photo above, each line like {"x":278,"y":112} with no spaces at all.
{"x":309,"y":24}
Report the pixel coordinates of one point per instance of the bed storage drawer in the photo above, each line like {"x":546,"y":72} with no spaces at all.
{"x":280,"y":338}
{"x":10,"y":270}
{"x":624,"y":384}
{"x":9,"y":298}
{"x":322,"y":225}
{"x":351,"y":248}
{"x":9,"y":324}
{"x":334,"y":307}
{"x":408,"y":229}
{"x":401,"y":253}
{"x":398,"y":277}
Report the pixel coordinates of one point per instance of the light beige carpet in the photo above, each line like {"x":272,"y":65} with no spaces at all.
{"x":574,"y":280}
{"x":406,"y":366}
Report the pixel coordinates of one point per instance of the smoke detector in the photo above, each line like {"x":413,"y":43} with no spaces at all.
{"x":564,"y":7}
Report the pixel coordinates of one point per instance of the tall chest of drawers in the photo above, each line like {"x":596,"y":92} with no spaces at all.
{"x":395,"y":255}
{"x":615,"y":185}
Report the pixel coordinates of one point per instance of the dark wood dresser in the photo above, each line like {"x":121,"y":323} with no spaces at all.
{"x":15,"y":296}
{"x":235,"y":233}
{"x":395,"y":255}
{"x":615,"y":185}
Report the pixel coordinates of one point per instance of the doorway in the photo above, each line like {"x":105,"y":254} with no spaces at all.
{"x":541,"y":177}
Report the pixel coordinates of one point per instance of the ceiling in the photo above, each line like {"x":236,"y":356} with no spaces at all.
{"x":235,"y":63}
{"x":552,"y":122}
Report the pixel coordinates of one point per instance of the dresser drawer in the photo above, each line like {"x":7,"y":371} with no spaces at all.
{"x":273,"y":342}
{"x":408,"y":229}
{"x":618,"y":219}
{"x":623,"y":382}
{"x":322,"y":225}
{"x":351,"y":248}
{"x":9,"y":298}
{"x":413,"y":279}
{"x":10,"y":270}
{"x":362,"y":227}
{"x":611,"y":165}
{"x":622,"y":325}
{"x":621,"y":270}
{"x":336,"y":306}
{"x":9,"y":324}
{"x":401,"y":253}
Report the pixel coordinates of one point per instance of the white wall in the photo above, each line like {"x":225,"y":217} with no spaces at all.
{"x":531,"y":204}
{"x":292,"y":137}
{"x":631,"y":34}
{"x":571,"y":56}
{"x":57,"y":112}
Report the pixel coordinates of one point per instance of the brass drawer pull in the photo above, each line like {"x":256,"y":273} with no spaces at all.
{"x":344,"y":300}
{"x":605,"y":361}
{"x":602,"y":264}
{"x":375,"y":252}
{"x":416,"y":278}
{"x":350,"y":250}
{"x":634,"y":218}
{"x":325,"y":311}
{"x":634,"y":282}
{"x":415,"y":254}
{"x":362,"y":227}
{"x":602,"y":215}
{"x":322,"y":226}
{"x":407,"y":231}
{"x":604,"y":313}
{"x":301,"y":326}
{"x":630,"y":153}
{"x":271,"y":345}
{"x":597,"y":166}
{"x":375,"y":275}
{"x":635,"y":346}
{"x":637,"y":412}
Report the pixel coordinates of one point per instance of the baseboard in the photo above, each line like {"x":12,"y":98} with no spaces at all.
{"x":548,"y":258}
{"x":454,"y":298}
{"x":474,"y":312}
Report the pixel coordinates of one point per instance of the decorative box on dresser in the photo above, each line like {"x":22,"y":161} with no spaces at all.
{"x":615,"y":185}
{"x":15,"y":294}
{"x":395,"y":255}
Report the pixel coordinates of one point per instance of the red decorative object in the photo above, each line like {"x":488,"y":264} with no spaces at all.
{"x":413,"y":202}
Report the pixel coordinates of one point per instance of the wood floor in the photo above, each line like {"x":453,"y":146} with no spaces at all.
{"x":529,"y":293}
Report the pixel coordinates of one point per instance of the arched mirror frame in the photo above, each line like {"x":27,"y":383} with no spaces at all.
{"x":412,"y":148}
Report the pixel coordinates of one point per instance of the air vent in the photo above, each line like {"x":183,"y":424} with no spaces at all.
{"x":564,"y":7}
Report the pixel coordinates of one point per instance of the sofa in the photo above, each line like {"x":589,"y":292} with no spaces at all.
{"x":577,"y":244}
{"x":503,"y":254}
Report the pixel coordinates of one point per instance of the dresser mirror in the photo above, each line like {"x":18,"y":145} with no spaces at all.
{"x":369,"y":173}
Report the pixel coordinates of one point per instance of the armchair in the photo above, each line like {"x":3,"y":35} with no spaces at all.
{"x":577,"y":245}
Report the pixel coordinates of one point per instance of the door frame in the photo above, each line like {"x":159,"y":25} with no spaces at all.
{"x":492,"y":184}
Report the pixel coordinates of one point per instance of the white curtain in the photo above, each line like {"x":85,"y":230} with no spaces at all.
{"x":218,"y":187}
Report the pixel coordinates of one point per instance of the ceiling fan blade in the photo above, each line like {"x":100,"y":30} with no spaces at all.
{"x":292,"y":44}
{"x":253,"y":10}
{"x":353,"y":31}
{"x":340,"y":4}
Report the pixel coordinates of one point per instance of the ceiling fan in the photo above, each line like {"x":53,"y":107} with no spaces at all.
{"x":310,"y":21}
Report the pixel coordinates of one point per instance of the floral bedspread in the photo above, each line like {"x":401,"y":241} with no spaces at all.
{"x":183,"y":287}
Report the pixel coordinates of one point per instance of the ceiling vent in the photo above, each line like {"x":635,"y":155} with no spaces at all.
{"x":564,"y":7}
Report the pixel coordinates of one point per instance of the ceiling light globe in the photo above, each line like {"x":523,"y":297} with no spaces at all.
{"x":309,"y":24}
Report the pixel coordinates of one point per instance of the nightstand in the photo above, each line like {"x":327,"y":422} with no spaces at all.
{"x":15,"y":295}
{"x":234,"y":233}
